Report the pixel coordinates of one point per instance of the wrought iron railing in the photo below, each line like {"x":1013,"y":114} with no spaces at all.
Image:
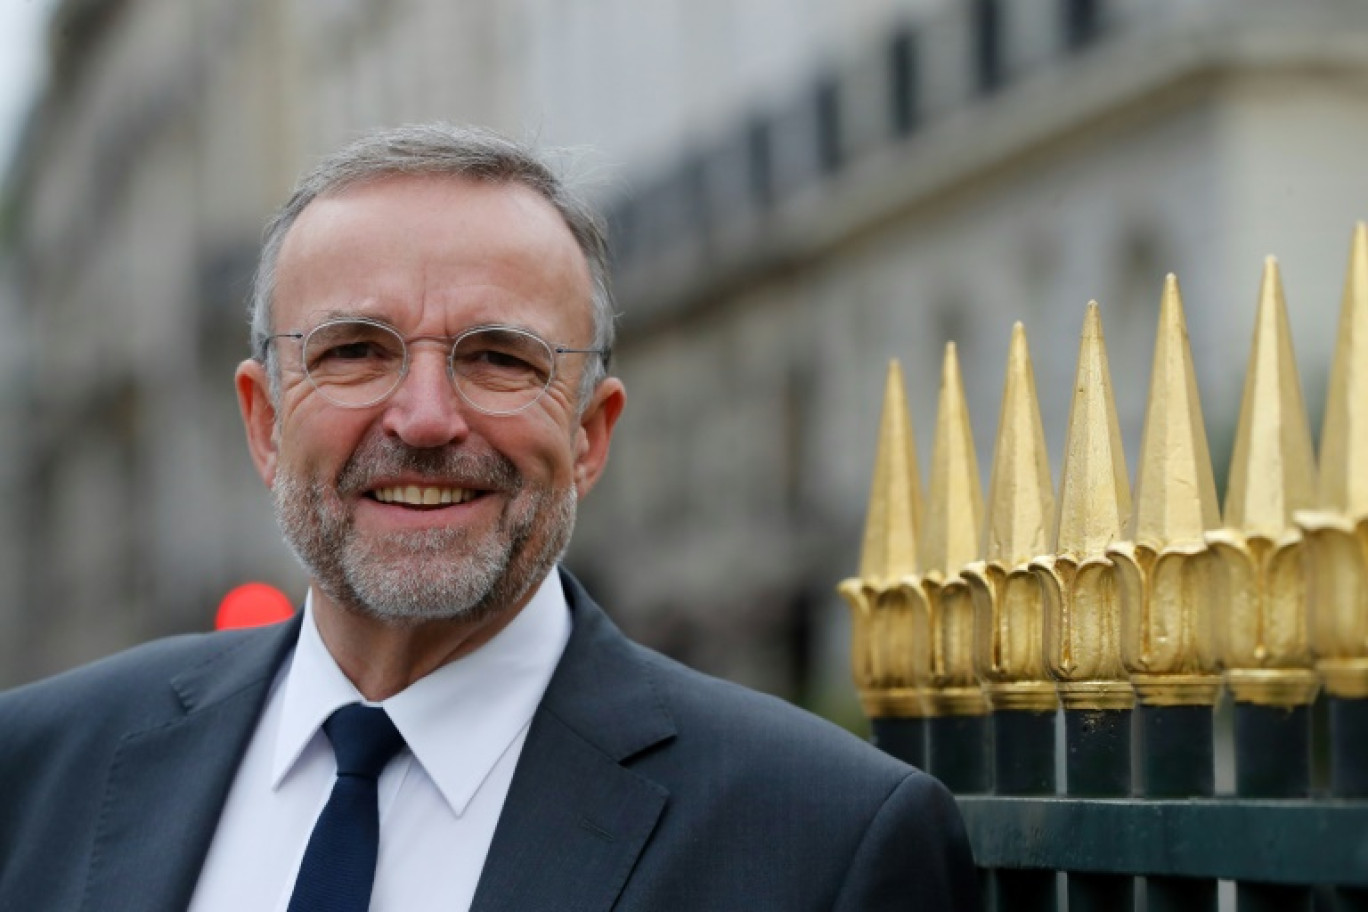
{"x":978,"y":627}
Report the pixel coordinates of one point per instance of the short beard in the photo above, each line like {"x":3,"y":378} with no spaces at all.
{"x":408,"y":578}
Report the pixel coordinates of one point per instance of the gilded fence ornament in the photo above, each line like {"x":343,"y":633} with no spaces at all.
{"x":1164,"y":570}
{"x":1008,"y":602}
{"x":1082,"y":608}
{"x":1336,"y":532}
{"x":1261,"y":586}
{"x":890,"y":641}
{"x":950,"y":539}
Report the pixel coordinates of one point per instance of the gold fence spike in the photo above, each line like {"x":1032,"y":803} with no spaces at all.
{"x":1271,"y":469}
{"x":1336,"y":533}
{"x":954,"y":508}
{"x":1261,"y":584}
{"x":889,"y":635}
{"x":1175,"y":490}
{"x":1021,"y":505}
{"x":1094,"y":494}
{"x":950,"y":540}
{"x":1008,"y":603}
{"x":1164,"y":571}
{"x":1082,"y":610}
{"x":894,"y":517}
{"x":1343,"y":484}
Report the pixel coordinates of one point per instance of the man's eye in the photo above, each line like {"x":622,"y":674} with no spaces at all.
{"x":502,"y":361}
{"x":350,"y":351}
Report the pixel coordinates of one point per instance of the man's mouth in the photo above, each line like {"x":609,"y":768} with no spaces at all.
{"x":423,"y":495}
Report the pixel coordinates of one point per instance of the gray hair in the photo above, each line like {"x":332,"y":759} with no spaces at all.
{"x":440,"y":149}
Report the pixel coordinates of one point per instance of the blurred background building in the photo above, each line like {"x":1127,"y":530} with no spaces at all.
{"x":798,"y":190}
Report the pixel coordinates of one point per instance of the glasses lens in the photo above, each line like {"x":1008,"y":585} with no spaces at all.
{"x":354,"y":362}
{"x":501,"y":370}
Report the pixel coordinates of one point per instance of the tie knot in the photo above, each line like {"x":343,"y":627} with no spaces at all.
{"x":363,"y":738}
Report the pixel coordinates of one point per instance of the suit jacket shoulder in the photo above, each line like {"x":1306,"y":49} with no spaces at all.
{"x":115,"y":773}
{"x":705,"y":795}
{"x":126,"y":689}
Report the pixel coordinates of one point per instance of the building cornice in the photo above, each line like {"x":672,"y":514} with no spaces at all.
{"x":1122,"y":77}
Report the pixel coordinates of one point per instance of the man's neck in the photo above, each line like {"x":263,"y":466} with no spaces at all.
{"x":381,"y":658}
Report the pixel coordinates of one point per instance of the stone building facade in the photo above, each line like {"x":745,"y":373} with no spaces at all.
{"x":798,"y":191}
{"x":992,"y":162}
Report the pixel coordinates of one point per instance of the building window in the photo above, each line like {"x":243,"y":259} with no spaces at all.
{"x":827,"y":100}
{"x":828,"y":108}
{"x":904,"y":88}
{"x":1082,"y":22}
{"x":987,"y":24}
{"x":759,"y":134}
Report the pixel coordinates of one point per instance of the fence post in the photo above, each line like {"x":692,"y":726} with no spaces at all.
{"x":1263,"y":584}
{"x":890,"y":639}
{"x":1165,"y":573}
{"x":958,"y":728}
{"x":1009,"y":614}
{"x":1082,"y":612}
{"x":1336,"y":535}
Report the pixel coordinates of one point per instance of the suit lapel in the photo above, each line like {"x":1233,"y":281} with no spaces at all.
{"x":576,"y":819}
{"x":167,"y":783}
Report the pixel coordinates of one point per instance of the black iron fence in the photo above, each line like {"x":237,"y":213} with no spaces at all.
{"x":988,"y":638}
{"x":1163,"y":835}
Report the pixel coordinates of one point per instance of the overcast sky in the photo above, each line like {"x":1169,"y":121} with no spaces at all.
{"x":22,"y":48}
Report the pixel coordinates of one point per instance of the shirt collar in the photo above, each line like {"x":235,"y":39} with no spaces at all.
{"x":457,"y":721}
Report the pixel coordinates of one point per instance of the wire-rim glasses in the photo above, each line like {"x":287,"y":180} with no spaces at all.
{"x":498,"y":369}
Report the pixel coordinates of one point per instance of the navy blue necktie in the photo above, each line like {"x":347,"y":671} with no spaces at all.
{"x":339,"y":862}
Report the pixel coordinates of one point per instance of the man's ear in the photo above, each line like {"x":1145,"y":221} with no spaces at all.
{"x":596,"y":432}
{"x":258,"y":417}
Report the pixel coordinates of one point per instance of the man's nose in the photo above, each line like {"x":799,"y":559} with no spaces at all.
{"x":426,"y":411}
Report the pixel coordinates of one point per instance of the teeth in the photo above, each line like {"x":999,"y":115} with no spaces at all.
{"x":426,"y":496}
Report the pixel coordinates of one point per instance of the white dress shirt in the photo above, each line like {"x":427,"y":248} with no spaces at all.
{"x":440,"y":798}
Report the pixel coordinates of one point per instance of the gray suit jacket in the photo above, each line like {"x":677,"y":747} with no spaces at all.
{"x":642,"y":786}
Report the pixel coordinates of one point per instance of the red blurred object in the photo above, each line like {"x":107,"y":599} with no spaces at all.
{"x":252,"y":605}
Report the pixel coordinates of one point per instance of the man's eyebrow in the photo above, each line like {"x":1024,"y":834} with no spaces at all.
{"x":318,"y":318}
{"x":335,"y":314}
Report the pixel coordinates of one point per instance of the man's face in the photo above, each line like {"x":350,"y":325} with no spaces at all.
{"x":429,"y":256}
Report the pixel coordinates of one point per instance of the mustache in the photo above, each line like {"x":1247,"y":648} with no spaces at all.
{"x":379,"y":457}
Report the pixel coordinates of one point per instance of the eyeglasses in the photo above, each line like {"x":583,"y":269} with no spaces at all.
{"x":497,"y":369}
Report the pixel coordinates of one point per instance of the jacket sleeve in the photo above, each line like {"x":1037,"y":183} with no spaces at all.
{"x":914,"y":857}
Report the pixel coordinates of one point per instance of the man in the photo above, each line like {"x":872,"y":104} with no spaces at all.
{"x":450,"y":723}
